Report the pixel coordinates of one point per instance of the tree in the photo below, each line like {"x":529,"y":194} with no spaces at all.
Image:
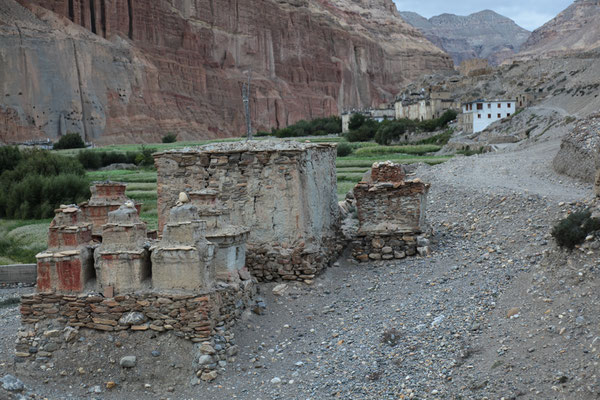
{"x":356,"y":121}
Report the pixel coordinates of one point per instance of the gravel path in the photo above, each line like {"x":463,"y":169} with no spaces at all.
{"x":432,"y":327}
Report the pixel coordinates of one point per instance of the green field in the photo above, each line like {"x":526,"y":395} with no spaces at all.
{"x":21,"y":240}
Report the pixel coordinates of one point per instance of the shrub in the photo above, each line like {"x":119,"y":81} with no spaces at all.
{"x":39,"y":183}
{"x":344,"y":149}
{"x":440,"y":140}
{"x":393,"y":130}
{"x":9,"y":157}
{"x":144,"y":157}
{"x":316,"y":127}
{"x":69,"y":141}
{"x":573,"y":230}
{"x":90,"y":159}
{"x":356,"y":121}
{"x":169,"y":138}
{"x":364,"y":133}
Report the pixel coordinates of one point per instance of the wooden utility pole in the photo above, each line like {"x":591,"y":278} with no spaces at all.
{"x":246,"y":100}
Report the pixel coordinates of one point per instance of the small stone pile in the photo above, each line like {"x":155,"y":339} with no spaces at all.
{"x":391,"y":214}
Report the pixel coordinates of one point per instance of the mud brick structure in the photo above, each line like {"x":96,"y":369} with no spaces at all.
{"x":106,"y":197}
{"x":391,"y":215}
{"x":230,"y":241}
{"x":122,"y":261}
{"x":183,"y":257}
{"x":67,"y":265}
{"x":284,"y":192}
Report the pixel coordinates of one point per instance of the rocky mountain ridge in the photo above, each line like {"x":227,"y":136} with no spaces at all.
{"x":574,"y":30}
{"x":485,"y":34}
{"x":129,"y":71}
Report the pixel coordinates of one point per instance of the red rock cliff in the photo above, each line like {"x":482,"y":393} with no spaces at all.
{"x":132,"y":70}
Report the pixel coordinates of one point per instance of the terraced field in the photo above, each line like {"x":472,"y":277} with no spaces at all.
{"x":23,"y":239}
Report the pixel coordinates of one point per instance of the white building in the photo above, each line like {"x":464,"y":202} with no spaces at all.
{"x":478,"y":114}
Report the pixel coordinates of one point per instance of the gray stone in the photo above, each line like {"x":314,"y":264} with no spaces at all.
{"x":205,"y":359}
{"x":375,"y":256}
{"x":276,"y":381}
{"x":12,"y":384}
{"x":50,"y":347}
{"x":387,"y":250}
{"x":70,"y":333}
{"x":132,"y":318}
{"x":280,"y":289}
{"x":128,"y":362}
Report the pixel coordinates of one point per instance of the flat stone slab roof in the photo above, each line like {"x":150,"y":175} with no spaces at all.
{"x":250,"y":146}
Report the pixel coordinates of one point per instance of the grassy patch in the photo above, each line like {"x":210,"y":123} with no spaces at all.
{"x":408,"y":149}
{"x":343,"y":188}
{"x":20,"y":240}
{"x":367,"y":162}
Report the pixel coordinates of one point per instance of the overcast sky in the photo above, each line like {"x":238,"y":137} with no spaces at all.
{"x":529,"y":14}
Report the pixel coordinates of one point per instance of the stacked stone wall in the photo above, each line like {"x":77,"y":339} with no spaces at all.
{"x":51,"y":320}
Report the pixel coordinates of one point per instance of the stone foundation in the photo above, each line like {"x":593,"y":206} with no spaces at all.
{"x":392,"y":246}
{"x":270,"y":263}
{"x":50,"y":320}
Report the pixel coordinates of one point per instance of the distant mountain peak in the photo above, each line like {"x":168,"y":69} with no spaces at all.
{"x":484,"y":34}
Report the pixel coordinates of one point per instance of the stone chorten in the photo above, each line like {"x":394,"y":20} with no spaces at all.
{"x":106,"y":196}
{"x":391,"y":213}
{"x":230,"y":241}
{"x":122,"y":262}
{"x":183,"y":258}
{"x":67,"y":265}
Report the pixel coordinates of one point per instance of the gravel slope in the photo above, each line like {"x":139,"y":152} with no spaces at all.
{"x":432,"y":327}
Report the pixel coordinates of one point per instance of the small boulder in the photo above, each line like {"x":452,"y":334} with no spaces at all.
{"x":280,"y":289}
{"x":132,"y":318}
{"x":128,"y":362}
{"x":12,"y":384}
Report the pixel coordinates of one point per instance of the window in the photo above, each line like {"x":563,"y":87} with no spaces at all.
{"x":478,"y":115}
{"x":508,"y":105}
{"x":489,"y":116}
{"x":479,"y":106}
{"x":499,"y":115}
{"x":499,"y":105}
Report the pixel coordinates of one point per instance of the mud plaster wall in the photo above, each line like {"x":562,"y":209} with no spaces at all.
{"x":391,"y":207}
{"x":281,"y":195}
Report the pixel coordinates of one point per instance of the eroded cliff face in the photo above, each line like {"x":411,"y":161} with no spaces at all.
{"x":574,"y":30}
{"x":132,"y":70}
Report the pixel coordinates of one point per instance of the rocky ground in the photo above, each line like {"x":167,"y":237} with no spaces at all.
{"x":495,"y":312}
